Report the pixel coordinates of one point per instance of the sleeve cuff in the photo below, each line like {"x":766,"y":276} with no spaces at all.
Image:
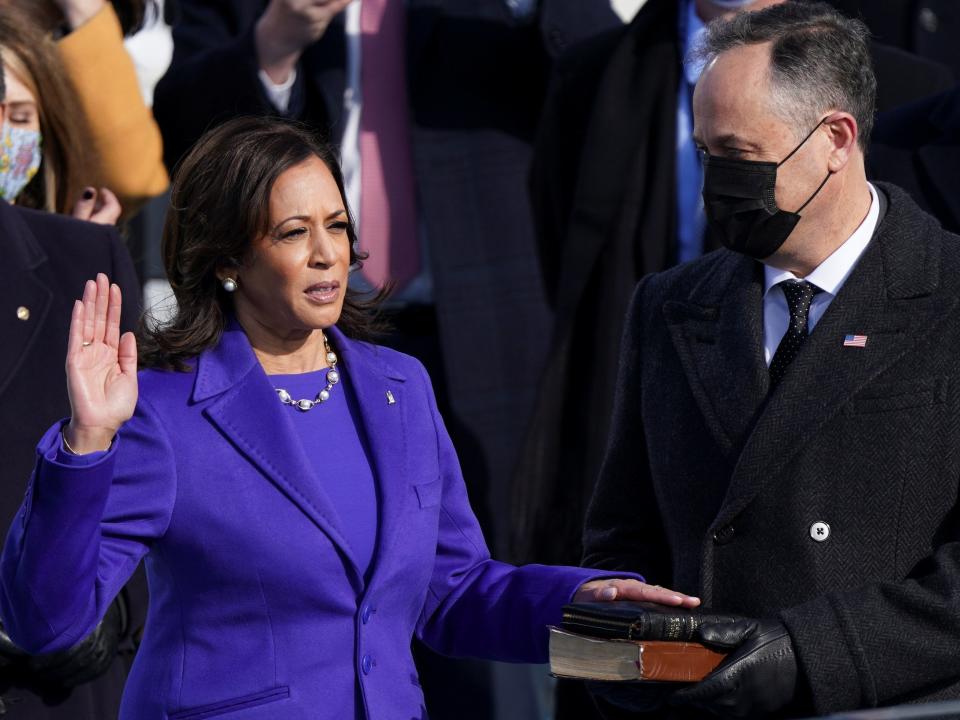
{"x":279,"y":95}
{"x":53,"y":451}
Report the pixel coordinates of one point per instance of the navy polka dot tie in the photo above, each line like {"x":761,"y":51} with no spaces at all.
{"x":799,"y":294}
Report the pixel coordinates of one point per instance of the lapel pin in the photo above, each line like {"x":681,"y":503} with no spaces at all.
{"x":390,"y":399}
{"x":855,"y":341}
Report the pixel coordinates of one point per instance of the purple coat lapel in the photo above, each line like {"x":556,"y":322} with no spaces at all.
{"x":245,"y":409}
{"x":385,"y":424}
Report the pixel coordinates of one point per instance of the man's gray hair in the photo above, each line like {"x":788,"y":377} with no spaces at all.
{"x":819,"y":61}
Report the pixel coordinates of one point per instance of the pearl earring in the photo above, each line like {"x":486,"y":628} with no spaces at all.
{"x":230,"y":285}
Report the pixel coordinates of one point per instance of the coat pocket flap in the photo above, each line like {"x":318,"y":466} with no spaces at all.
{"x":428,"y":493}
{"x":236,"y":704}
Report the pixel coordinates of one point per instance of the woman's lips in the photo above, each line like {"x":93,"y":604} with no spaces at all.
{"x":323,"y":292}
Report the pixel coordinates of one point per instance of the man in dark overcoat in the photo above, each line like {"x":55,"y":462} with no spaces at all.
{"x":785,"y":440}
{"x":607,"y":192}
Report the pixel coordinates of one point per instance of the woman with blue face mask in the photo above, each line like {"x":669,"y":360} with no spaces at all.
{"x":45,"y":146}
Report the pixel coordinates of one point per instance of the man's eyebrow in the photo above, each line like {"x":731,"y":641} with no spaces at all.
{"x":734,"y":140}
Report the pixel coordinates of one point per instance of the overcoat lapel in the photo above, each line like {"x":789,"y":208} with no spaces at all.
{"x":888,"y":299}
{"x":248,"y":413}
{"x":24,"y":288}
{"x":718,"y":335}
{"x":384,"y":404}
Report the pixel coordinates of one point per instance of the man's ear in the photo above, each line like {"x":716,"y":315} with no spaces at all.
{"x":843,"y":132}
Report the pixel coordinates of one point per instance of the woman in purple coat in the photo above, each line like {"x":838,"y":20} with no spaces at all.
{"x":291,"y":486}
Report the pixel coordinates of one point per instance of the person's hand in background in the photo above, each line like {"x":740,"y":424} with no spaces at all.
{"x":286,"y":28}
{"x":78,"y":12}
{"x":101,"y":207}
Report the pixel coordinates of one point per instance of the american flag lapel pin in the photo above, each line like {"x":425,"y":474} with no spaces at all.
{"x":390,"y":399}
{"x":855,"y":341}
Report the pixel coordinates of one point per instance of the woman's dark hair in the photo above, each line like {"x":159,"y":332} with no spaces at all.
{"x":219,"y":203}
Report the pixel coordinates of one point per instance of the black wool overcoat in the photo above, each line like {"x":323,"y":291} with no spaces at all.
{"x":716,"y":488}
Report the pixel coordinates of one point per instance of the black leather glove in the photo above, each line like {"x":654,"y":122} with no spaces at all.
{"x":89,"y":658}
{"x":59,"y":671}
{"x":647,"y":696}
{"x":758,"y":677}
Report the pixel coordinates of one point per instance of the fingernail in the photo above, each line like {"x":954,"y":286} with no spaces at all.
{"x":88,"y":194}
{"x":609,"y":593}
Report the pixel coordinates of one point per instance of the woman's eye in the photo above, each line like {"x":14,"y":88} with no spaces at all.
{"x":338,"y":226}
{"x":295,"y":232}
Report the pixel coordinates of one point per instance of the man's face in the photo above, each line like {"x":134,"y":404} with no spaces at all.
{"x":734,"y":118}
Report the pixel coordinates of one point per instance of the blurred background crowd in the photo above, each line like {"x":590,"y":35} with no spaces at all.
{"x":514,"y":167}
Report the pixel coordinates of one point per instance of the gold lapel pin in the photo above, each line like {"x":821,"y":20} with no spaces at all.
{"x":390,"y":399}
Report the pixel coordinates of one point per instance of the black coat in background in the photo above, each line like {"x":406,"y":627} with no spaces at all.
{"x":927,"y":28}
{"x":603,"y":191}
{"x":47,"y":258}
{"x":918,"y":148}
{"x":711,"y":487}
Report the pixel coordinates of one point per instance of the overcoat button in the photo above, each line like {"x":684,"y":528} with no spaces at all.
{"x":929,"y":20}
{"x":23,"y":313}
{"x":365,"y":614}
{"x":819,"y":531}
{"x":724,"y":535}
{"x":365,"y":664}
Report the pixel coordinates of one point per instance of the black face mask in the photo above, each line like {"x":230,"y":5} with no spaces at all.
{"x":738,"y":197}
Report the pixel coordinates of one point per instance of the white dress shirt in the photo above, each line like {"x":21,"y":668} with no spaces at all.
{"x":829,"y":276}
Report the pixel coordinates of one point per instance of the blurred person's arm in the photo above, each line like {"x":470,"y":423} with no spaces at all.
{"x":126,"y":138}
{"x":229,"y":55}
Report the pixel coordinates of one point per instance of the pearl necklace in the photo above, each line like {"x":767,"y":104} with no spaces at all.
{"x":333,"y":377}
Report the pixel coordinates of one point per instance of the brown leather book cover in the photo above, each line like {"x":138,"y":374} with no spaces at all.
{"x":590,"y":658}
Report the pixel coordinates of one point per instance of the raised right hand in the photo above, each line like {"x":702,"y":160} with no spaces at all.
{"x":101,"y":369}
{"x":286,"y":28}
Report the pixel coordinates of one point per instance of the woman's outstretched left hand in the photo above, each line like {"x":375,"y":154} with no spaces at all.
{"x":628,"y":589}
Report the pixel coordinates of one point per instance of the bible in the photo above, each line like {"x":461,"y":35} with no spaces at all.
{"x":632,"y":641}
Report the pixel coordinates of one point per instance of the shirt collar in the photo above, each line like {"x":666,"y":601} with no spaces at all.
{"x":691,"y":30}
{"x":832,"y":273}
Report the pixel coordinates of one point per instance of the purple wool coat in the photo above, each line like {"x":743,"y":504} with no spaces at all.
{"x":257,"y":607}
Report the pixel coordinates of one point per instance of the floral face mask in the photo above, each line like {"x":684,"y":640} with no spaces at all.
{"x":19,"y":160}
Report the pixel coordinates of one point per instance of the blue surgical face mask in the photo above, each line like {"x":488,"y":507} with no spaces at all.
{"x":19,"y":160}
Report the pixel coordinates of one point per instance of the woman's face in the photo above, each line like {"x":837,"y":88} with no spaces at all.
{"x":295,"y":278}
{"x":20,"y":104}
